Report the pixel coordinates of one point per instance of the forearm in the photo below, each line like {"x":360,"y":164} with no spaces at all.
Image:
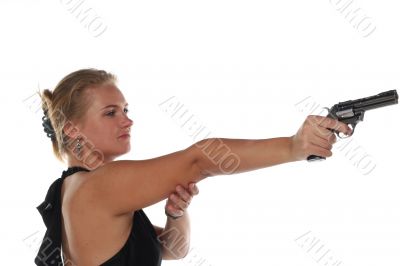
{"x":175,"y":238}
{"x":216,"y":156}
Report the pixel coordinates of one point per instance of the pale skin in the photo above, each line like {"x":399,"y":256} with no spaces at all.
{"x":97,"y":206}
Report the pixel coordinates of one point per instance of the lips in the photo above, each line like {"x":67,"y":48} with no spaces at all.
{"x":126,"y":133}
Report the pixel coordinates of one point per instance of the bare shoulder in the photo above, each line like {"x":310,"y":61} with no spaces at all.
{"x":71,"y":188}
{"x":84,"y":221}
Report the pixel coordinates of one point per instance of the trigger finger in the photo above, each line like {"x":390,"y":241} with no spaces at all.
{"x":344,"y":128}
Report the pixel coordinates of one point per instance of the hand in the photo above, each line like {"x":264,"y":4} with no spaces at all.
{"x":315,"y":137}
{"x":180,"y":200}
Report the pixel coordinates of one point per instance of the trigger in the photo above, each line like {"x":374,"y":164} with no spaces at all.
{"x":344,"y":136}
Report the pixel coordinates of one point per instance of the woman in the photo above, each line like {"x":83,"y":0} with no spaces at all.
{"x":93,"y":212}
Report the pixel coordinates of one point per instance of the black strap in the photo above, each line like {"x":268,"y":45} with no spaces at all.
{"x":50,"y":209}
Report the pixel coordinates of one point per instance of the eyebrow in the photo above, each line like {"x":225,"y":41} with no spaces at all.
{"x":113,"y":105}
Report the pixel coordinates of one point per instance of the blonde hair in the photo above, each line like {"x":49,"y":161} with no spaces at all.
{"x":69,"y":101}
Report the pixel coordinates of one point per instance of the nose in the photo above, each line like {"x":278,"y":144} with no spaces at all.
{"x":127,"y":122}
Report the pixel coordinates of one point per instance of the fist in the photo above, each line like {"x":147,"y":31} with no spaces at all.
{"x":179,"y":201}
{"x":315,"y":137}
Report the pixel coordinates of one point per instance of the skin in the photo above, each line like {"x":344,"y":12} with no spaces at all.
{"x":98,"y":205}
{"x":102,"y":127}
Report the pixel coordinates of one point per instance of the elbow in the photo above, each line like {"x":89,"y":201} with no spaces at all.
{"x":185,"y":253}
{"x":214,"y":156}
{"x":181,"y":254}
{"x":176,"y":253}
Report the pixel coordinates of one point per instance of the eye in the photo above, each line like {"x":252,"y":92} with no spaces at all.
{"x":111,"y":113}
{"x":126,"y":110}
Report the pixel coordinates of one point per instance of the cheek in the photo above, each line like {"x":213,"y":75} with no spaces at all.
{"x":101,"y":132}
{"x":98,"y":132}
{"x":106,"y":132}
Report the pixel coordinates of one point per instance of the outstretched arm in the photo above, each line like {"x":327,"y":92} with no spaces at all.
{"x":216,"y":156}
{"x":123,"y":186}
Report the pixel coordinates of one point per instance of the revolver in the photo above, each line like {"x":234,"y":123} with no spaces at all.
{"x":351,"y":112}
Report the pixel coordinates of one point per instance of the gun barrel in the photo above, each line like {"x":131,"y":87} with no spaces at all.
{"x":380,"y":100}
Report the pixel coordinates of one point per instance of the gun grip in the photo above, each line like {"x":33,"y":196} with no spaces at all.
{"x":315,"y":158}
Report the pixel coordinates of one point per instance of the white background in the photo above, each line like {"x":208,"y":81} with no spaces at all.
{"x":239,"y":67}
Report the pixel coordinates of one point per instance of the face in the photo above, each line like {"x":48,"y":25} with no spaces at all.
{"x":106,"y":124}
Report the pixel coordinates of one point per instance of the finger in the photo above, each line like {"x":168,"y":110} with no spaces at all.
{"x":172,"y":210}
{"x":319,"y":151}
{"x":332,"y":139}
{"x":321,"y":142}
{"x":330,"y":123}
{"x":193,"y":189}
{"x":183,"y":194}
{"x":172,"y":206}
{"x":326,"y":134}
{"x":178,"y":202}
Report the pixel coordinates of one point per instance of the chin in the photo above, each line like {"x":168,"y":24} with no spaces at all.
{"x":125,"y":151}
{"x":118,"y":150}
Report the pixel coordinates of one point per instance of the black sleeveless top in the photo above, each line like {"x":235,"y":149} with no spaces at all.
{"x":141,"y":248}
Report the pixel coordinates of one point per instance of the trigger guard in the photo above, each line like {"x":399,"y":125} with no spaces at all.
{"x":343,"y":136}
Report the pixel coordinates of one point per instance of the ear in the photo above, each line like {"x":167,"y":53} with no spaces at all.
{"x":71,"y":130}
